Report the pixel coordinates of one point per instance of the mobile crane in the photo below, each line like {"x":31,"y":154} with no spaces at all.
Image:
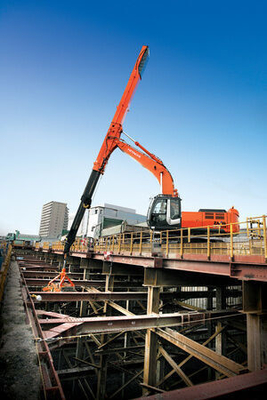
{"x":165,"y":209}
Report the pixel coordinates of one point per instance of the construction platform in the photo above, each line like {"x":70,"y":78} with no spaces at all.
{"x":151,"y":316}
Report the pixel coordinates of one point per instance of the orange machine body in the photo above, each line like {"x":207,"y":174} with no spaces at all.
{"x":213,"y":218}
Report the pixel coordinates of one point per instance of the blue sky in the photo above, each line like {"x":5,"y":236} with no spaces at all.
{"x":201,"y":106}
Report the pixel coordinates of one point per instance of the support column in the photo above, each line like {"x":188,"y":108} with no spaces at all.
{"x":102,"y":374}
{"x":78,"y":354}
{"x":83,"y":306}
{"x":151,"y":344}
{"x":220,"y":305}
{"x":255,"y":305}
{"x":210,"y":299}
{"x":126,"y":343}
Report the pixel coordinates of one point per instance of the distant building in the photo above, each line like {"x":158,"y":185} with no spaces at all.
{"x":101,"y":217}
{"x":54,"y":219}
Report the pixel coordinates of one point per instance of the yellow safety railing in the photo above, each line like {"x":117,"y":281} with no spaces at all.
{"x":59,"y":246}
{"x":212,"y":240}
{"x":46,"y":245}
{"x":4,"y":269}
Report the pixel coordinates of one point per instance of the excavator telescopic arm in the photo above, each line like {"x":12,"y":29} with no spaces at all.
{"x":115,"y":128}
{"x":108,"y":146}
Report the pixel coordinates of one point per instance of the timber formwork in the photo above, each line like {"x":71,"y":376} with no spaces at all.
{"x":183,"y":327}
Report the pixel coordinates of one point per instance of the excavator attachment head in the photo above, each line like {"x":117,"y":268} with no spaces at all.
{"x":64,"y":284}
{"x":144,"y":60}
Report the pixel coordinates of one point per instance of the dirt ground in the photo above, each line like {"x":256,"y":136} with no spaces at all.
{"x":19,"y":371}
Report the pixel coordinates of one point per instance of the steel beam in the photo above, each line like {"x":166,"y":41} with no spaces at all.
{"x":131,"y":323}
{"x":75,"y":373}
{"x":122,"y":270}
{"x":80,"y":283}
{"x":52,"y":274}
{"x":175,"y":367}
{"x":204,"y":354}
{"x":242,"y":386}
{"x":245,"y":268}
{"x":51,"y":383}
{"x":185,"y":360}
{"x":90,"y":296}
{"x":171,"y":278}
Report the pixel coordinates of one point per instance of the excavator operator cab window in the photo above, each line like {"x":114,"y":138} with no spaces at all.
{"x":158,"y":213}
{"x":165,"y":213}
{"x":174,"y":209}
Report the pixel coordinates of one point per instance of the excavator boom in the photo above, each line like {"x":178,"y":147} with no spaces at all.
{"x":109,"y":145}
{"x":151,"y":163}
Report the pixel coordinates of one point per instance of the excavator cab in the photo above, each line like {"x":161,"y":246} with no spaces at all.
{"x":164,"y":212}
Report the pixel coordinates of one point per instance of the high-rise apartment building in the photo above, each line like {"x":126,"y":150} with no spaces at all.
{"x":54,"y":219}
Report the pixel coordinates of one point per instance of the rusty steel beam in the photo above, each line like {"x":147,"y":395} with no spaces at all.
{"x":75,"y":373}
{"x":220,"y":363}
{"x":240,"y":386}
{"x":104,"y":296}
{"x":136,"y":322}
{"x":175,"y":367}
{"x":50,"y":380}
{"x":242,"y":267}
{"x":120,"y":349}
{"x":185,"y":360}
{"x":83,"y":283}
{"x":249,"y":272}
{"x":250,"y":268}
{"x":90,"y":296}
{"x":116,"y":324}
{"x":78,"y":283}
{"x":52,"y":274}
{"x":30,"y":261}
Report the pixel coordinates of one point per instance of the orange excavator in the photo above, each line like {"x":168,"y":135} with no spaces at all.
{"x":165,"y":209}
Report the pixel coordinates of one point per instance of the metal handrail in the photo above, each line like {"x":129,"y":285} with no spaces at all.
{"x":176,"y":243}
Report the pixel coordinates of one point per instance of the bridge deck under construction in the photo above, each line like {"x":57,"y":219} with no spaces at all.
{"x":151,"y":314}
{"x":141,"y":323}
